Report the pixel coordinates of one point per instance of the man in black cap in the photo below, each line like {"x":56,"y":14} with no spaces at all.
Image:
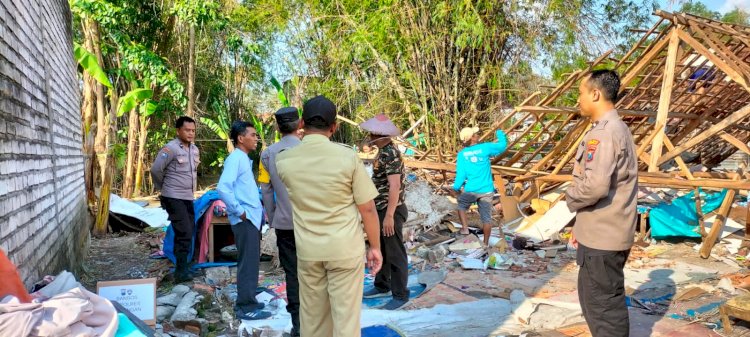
{"x":329,"y":190}
{"x":279,"y":208}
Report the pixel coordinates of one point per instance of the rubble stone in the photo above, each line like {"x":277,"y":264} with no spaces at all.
{"x":219,"y":276}
{"x":163,"y":312}
{"x":171,"y":299}
{"x":180,"y":290}
{"x":184,"y":311}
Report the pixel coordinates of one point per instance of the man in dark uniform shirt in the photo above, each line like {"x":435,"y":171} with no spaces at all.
{"x":174,"y":173}
{"x":604,"y":196}
{"x":388,"y":177}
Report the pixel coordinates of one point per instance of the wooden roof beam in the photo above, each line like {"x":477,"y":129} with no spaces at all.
{"x":730,"y":71}
{"x":734,"y":118}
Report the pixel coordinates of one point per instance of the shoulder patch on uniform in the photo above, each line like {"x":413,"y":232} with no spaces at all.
{"x":591,"y":149}
{"x":165,"y":149}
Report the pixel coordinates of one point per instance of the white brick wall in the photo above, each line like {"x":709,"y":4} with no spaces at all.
{"x":43,"y":218}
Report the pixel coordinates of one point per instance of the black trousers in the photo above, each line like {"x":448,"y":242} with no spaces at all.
{"x":247,"y":238}
{"x":288,"y":259}
{"x":601,"y":291}
{"x":182,"y":216}
{"x":394,"y":275}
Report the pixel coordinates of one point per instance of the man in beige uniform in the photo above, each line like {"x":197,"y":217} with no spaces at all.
{"x":329,"y":190}
{"x":604,"y":195}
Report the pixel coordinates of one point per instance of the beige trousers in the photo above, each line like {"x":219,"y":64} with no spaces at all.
{"x":331,"y":297}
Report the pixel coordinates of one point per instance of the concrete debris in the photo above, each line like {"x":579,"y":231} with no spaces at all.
{"x":184,"y":311}
{"x":423,"y":203}
{"x":218,"y":276}
{"x":164,"y":311}
{"x":726,"y":285}
{"x":180,"y":290}
{"x":172,"y":299}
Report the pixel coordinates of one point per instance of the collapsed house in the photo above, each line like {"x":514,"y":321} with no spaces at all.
{"x":685,"y":95}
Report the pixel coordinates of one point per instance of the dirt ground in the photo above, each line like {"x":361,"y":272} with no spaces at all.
{"x":120,"y":256}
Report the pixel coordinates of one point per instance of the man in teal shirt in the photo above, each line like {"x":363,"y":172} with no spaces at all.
{"x":473,"y":173}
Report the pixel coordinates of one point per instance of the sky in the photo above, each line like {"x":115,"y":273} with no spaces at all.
{"x":721,"y":6}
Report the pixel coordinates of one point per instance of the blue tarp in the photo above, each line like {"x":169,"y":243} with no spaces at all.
{"x":380,"y":331}
{"x":680,"y":219}
{"x":199,"y":206}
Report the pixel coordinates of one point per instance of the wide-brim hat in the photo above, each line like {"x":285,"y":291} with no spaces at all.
{"x":380,"y":125}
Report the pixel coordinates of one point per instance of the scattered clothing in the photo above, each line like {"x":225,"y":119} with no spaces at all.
{"x":11,"y":284}
{"x":76,"y":312}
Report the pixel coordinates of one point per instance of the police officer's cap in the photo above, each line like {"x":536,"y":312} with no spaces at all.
{"x":286,"y":115}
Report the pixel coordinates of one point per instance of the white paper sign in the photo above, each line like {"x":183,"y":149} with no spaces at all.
{"x":138,"y":296}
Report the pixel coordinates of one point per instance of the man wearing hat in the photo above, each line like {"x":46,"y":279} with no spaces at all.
{"x":388,"y":176}
{"x":329,"y":190}
{"x":279,"y":208}
{"x":473,"y":173}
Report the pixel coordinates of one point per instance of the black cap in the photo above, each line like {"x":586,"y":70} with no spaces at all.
{"x":319,"y":106}
{"x":286,"y":115}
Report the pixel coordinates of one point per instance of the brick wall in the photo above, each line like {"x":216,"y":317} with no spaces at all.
{"x":43,"y":217}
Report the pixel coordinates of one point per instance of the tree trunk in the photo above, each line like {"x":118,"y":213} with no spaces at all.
{"x":102,"y":214}
{"x":130,"y":165}
{"x":191,"y":73}
{"x":102,"y":120}
{"x":141,"y":160}
{"x":87,"y":116}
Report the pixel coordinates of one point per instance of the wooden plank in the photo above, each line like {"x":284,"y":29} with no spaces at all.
{"x":645,"y":60}
{"x":664,"y":100}
{"x":718,"y":225}
{"x":735,"y":117}
{"x":719,"y":47}
{"x":639,"y":43}
{"x":642,"y":149}
{"x":451,"y":167}
{"x":734,"y":141}
{"x":621,"y":112}
{"x":681,"y":163}
{"x":499,"y":124}
{"x":647,"y":180}
{"x":699,"y":211}
{"x":730,"y":71}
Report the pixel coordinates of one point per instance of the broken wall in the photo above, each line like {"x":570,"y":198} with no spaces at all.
{"x":44,"y":221}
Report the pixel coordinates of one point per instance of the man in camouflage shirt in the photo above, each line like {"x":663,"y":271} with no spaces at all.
{"x":388,"y":177}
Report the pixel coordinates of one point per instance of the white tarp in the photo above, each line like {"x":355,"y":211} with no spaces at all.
{"x":154,"y":217}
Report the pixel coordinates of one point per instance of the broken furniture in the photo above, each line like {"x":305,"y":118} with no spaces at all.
{"x":215,"y":221}
{"x":738,"y":307}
